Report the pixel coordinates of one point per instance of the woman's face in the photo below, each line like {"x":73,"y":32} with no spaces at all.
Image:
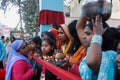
{"x":61,"y":35}
{"x":24,"y":49}
{"x":88,"y":33}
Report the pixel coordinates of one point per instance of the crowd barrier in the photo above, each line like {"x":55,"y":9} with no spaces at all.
{"x":62,"y":74}
{"x":2,"y":74}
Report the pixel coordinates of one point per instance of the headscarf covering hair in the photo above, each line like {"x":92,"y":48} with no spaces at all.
{"x":65,"y":30}
{"x":13,"y":57}
{"x":64,"y":27}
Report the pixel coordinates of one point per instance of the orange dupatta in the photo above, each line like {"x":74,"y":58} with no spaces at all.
{"x":78,"y":56}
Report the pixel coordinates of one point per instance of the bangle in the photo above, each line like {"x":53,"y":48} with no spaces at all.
{"x":97,"y":39}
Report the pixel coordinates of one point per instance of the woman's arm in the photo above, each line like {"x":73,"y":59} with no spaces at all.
{"x":80,"y":26}
{"x":94,"y":52}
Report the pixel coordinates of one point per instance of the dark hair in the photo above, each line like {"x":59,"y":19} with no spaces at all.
{"x":50,"y":35}
{"x":76,"y":42}
{"x":12,"y":37}
{"x":111,"y":39}
{"x":90,"y":25}
{"x":2,"y":37}
{"x":55,"y":25}
{"x":38,"y":42}
{"x":51,"y":43}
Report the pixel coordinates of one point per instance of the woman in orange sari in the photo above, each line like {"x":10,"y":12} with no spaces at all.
{"x":63,"y":44}
{"x":77,"y":51}
{"x":64,"y":39}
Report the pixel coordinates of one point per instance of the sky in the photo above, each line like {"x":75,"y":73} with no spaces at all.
{"x":10,"y":18}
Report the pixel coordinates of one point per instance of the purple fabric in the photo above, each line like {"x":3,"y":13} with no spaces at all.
{"x":13,"y":57}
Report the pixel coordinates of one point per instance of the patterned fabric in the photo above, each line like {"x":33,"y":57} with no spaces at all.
{"x":107,"y":68}
{"x":78,"y":56}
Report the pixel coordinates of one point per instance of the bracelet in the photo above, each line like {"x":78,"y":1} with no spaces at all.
{"x":97,"y":39}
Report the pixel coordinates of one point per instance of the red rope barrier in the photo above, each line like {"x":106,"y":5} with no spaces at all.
{"x":2,"y":74}
{"x":62,"y":74}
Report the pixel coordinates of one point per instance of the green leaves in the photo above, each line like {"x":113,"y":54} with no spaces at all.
{"x":28,"y":10}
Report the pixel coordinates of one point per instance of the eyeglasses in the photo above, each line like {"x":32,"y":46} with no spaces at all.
{"x":25,"y":46}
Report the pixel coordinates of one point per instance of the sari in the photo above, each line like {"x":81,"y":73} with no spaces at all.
{"x":107,"y":69}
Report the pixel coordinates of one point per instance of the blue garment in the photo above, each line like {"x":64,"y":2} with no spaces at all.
{"x":13,"y":57}
{"x":107,"y":68}
{"x":2,"y":50}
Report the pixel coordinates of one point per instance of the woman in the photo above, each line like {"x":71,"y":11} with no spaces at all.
{"x":64,"y":39}
{"x":16,"y":59}
{"x":101,"y":44}
{"x":77,"y":51}
{"x":63,"y":44}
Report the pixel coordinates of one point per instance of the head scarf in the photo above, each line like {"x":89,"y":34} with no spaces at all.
{"x":65,"y":29}
{"x":13,"y":57}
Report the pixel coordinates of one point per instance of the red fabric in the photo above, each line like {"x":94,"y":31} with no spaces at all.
{"x":2,"y":74}
{"x":49,"y":16}
{"x":21,"y":71}
{"x":55,"y":32}
{"x":75,"y":70}
{"x":62,"y":74}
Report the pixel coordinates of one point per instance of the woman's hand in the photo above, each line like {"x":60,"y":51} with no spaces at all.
{"x":97,"y":25}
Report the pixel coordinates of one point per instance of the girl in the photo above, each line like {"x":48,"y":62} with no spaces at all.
{"x":48,"y":46}
{"x":47,"y":34}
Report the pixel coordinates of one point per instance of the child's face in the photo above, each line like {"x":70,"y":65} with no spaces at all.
{"x":46,"y":48}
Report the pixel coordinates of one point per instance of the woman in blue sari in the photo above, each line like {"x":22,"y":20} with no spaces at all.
{"x":101,"y":44}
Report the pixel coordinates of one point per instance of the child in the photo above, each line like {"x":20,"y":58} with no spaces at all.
{"x":47,"y":48}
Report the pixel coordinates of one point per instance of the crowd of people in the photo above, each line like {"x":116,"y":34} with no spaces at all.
{"x":87,"y":49}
